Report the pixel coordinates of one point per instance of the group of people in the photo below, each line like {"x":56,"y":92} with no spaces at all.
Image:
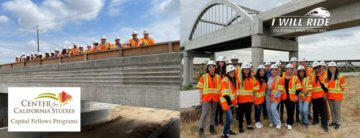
{"x":228,"y":88}
{"x":90,"y":48}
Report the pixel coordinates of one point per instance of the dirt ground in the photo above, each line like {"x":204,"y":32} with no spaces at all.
{"x":127,"y":122}
{"x":350,"y":121}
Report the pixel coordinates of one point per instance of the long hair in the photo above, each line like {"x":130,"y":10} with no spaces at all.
{"x":231,"y":79}
{"x":298,"y":74}
{"x":220,"y":70}
{"x":329,"y":74}
{"x":261,"y":79}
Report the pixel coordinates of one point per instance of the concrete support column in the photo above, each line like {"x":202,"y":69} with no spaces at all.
{"x":293,"y":54}
{"x":257,"y":56}
{"x":187,"y":68}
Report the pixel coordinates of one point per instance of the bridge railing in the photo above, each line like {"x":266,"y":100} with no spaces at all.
{"x":158,"y":48}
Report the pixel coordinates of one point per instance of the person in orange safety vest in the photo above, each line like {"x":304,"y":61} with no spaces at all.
{"x":273,"y":96}
{"x":228,"y":87}
{"x":318,"y":95}
{"x":245,"y":96}
{"x":336,"y":86}
{"x":261,"y":80}
{"x":221,"y":71}
{"x":134,"y":41}
{"x":305,"y":95}
{"x":292,"y":86}
{"x":209,"y":91}
{"x":146,"y":40}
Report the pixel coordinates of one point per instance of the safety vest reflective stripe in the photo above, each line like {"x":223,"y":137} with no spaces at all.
{"x":260,"y":94}
{"x":277,"y":87}
{"x":206,"y":89}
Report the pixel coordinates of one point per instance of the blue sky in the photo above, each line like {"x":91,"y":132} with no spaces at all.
{"x":65,"y":21}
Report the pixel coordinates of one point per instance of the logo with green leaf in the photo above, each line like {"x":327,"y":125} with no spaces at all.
{"x":63,"y":97}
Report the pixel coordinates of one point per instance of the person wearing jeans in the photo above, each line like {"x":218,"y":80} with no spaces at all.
{"x":305,"y":95}
{"x":228,"y":87}
{"x":275,"y":88}
{"x":261,"y":80}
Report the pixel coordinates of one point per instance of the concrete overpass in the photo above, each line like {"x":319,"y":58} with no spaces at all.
{"x":224,"y":25}
{"x":142,"y":76}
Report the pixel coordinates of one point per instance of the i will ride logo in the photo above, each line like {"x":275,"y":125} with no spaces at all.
{"x":63,"y":97}
{"x":316,"y":20}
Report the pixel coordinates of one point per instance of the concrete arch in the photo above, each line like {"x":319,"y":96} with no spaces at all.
{"x":240,"y":12}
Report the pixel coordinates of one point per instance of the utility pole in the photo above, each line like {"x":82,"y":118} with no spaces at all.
{"x":36,"y":28}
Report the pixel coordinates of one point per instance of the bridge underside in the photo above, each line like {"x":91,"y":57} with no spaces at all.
{"x":225,"y":46}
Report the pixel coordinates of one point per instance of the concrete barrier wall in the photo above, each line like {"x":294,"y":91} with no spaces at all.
{"x":149,"y":81}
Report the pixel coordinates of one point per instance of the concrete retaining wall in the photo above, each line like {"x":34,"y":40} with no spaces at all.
{"x":149,"y":81}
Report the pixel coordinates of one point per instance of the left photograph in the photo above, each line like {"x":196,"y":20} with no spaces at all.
{"x":89,"y":68}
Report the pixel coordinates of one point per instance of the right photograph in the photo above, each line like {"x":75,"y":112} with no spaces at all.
{"x":270,"y":68}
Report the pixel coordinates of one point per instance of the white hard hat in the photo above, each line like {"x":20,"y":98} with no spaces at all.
{"x":48,"y":52}
{"x":315,"y":64}
{"x":322,"y":63}
{"x":88,"y":44}
{"x":332,"y":64}
{"x":56,"y":49}
{"x":117,"y":38}
{"x":234,"y":57}
{"x":220,"y":58}
{"x":230,"y":68}
{"x":32,"y":53}
{"x":134,"y":32}
{"x":268,"y":63}
{"x":69,"y":47}
{"x":289,"y":66}
{"x":103,"y":37}
{"x":301,"y":67}
{"x":293,"y":59}
{"x":278,"y":63}
{"x":274,"y":66}
{"x":211,"y":62}
{"x":261,"y":67}
{"x":302,"y":60}
{"x":245,"y":65}
{"x":146,"y":31}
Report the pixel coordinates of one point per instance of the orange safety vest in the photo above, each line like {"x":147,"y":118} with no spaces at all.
{"x":336,"y":88}
{"x":308,"y":71}
{"x":74,"y":51}
{"x":227,"y":89}
{"x":294,"y":84}
{"x":260,"y":94}
{"x":238,"y":73}
{"x":210,"y":87}
{"x":306,"y":86}
{"x":147,"y":42}
{"x":133,"y":43}
{"x":246,"y":92}
{"x":277,"y":85}
{"x":317,"y":91}
{"x":94,"y":49}
{"x":104,"y":47}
